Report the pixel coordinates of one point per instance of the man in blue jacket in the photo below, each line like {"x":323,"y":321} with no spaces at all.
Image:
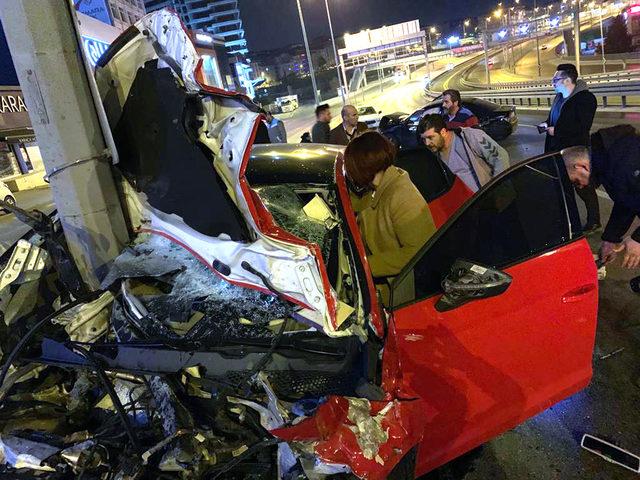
{"x":614,"y":163}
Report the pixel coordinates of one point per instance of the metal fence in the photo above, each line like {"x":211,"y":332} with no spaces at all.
{"x":622,"y":95}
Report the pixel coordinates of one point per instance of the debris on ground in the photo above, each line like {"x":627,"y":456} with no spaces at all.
{"x":611,"y":354}
{"x":610,"y":452}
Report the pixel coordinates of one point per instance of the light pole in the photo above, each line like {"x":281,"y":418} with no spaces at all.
{"x":604,"y":60}
{"x":465,"y":24}
{"x":577,"y":35}
{"x":335,"y":54}
{"x":306,"y":46}
{"x":431,"y":30}
{"x":535,"y":19}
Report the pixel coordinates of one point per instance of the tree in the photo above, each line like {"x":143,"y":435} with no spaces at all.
{"x":617,"y":39}
{"x":322,"y":62}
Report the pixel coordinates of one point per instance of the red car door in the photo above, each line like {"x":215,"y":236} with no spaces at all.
{"x":486,"y":361}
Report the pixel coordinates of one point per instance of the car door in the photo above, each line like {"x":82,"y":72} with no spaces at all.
{"x":443,"y":190}
{"x":486,"y":365}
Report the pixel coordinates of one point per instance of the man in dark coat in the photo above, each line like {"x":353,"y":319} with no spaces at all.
{"x":568,"y":125}
{"x":321,"y":129}
{"x":614,"y":163}
{"x":349,"y":128}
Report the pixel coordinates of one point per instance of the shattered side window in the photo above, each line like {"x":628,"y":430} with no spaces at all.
{"x":287,"y":208}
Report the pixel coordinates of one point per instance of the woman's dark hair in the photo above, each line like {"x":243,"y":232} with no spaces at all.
{"x":366,"y":155}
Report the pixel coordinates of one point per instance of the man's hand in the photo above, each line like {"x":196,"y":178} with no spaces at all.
{"x":608,"y":251}
{"x":631,"y":254}
{"x":550,"y":130}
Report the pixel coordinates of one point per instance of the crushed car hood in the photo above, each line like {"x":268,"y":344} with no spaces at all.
{"x":183,"y":149}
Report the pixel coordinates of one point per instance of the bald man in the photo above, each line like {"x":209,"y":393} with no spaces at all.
{"x":349,"y":128}
{"x":614,"y":163}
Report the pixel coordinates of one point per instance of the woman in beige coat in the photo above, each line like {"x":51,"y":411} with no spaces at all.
{"x":394,"y":218}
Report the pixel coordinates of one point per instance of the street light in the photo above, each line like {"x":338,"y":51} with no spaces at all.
{"x":309,"y":60}
{"x":431,"y":30}
{"x":335,"y":54}
{"x":465,"y":24}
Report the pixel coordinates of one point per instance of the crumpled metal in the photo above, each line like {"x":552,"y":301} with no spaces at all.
{"x":22,"y":453}
{"x":350,"y":431}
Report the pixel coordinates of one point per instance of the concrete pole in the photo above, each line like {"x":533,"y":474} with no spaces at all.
{"x":576,"y":28}
{"x":485,"y":41}
{"x":335,"y":53}
{"x":426,"y":55}
{"x":45,"y":51}
{"x":604,"y":60}
{"x":306,"y":46}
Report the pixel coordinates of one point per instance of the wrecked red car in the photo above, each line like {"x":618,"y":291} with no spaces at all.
{"x":240,"y":335}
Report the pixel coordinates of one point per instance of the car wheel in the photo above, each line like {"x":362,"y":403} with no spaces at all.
{"x":10,"y":200}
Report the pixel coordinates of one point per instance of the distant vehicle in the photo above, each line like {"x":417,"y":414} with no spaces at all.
{"x":497,"y":121}
{"x":543,"y":46}
{"x":6,"y":195}
{"x":370,"y":116}
{"x":450,"y":66}
{"x":490,"y":62}
{"x":288,"y":103}
{"x":426,"y":81}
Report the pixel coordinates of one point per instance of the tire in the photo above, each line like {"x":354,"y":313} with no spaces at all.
{"x":10,"y":200}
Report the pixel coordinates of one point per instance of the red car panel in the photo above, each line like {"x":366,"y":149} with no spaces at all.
{"x":443,"y":207}
{"x":336,"y":434}
{"x":486,"y":366}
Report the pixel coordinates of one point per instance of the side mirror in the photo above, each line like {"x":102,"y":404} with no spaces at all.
{"x":469,"y":281}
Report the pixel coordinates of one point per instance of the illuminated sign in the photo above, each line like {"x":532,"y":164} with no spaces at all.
{"x":634,"y":9}
{"x":94,"y":49}
{"x":204,"y":38}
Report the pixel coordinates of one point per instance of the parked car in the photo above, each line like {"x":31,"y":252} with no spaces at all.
{"x":498,"y":121}
{"x":543,"y":46}
{"x":6,"y":194}
{"x":484,"y":330}
{"x":370,"y":116}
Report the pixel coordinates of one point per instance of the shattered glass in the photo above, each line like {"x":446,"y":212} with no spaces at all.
{"x":288,"y":212}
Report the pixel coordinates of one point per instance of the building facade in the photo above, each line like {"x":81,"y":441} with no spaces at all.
{"x":117,"y":13}
{"x":217,"y":17}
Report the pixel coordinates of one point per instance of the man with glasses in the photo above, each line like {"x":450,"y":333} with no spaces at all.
{"x":568,"y":125}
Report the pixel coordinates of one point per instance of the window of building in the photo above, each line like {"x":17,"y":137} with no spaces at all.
{"x":526,"y":213}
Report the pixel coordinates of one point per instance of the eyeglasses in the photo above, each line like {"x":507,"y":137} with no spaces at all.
{"x":557,"y":79}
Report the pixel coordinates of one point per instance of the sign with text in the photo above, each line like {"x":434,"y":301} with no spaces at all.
{"x":13,"y":110}
{"x":97,"y":9}
{"x":94,"y":49}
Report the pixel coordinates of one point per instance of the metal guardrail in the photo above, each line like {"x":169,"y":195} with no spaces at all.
{"x":593,"y":81}
{"x":609,"y":95}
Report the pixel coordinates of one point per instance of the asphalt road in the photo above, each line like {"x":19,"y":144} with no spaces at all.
{"x":547,"y":446}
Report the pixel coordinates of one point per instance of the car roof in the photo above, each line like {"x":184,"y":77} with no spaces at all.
{"x":471,"y":102}
{"x":301,"y":163}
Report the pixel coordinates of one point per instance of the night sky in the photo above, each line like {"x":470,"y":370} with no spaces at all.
{"x":274,"y":23}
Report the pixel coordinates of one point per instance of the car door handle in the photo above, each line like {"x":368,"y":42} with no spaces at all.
{"x":577,"y":294}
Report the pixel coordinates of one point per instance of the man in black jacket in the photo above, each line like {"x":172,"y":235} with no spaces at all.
{"x":614,"y":163}
{"x":568,"y":125}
